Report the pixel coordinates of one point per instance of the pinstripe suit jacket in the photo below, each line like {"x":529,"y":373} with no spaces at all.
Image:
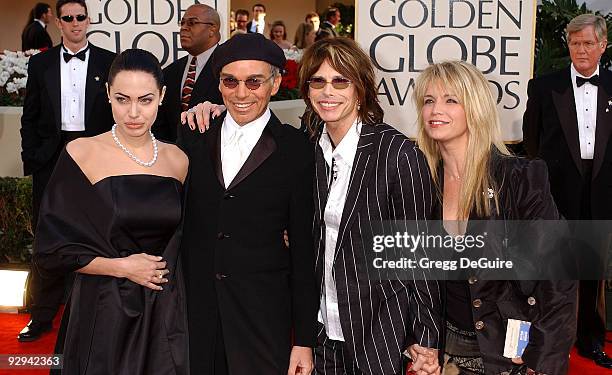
{"x":390,"y":180}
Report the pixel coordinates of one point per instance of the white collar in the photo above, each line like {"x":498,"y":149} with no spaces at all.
{"x":576,"y":74}
{"x":252,"y":131}
{"x":346,"y":150}
{"x":64,"y":49}
{"x":41,"y":23}
{"x":202,"y":58}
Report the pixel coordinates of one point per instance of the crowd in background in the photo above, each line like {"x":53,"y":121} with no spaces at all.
{"x":307,"y":32}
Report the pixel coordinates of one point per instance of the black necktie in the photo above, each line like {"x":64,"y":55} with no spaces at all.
{"x":80,"y":55}
{"x":594,"y":80}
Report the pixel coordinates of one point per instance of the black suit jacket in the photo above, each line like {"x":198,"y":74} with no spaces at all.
{"x":206,"y":88}
{"x":237,"y":268}
{"x":550,"y":132}
{"x":390,"y":180}
{"x":35,"y":36}
{"x":41,"y":120}
{"x":327,"y":27}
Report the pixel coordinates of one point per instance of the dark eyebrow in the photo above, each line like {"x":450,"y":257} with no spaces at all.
{"x":140,"y":97}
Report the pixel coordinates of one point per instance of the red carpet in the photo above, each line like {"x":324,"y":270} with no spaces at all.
{"x":11,"y":324}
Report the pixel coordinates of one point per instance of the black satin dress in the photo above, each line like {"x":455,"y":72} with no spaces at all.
{"x":113,"y":325}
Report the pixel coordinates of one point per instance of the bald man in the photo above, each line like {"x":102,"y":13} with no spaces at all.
{"x":189,"y":80}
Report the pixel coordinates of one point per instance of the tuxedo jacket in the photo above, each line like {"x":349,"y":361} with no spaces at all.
{"x":550,"y":132}
{"x":41,"y":127}
{"x":206,"y":88}
{"x":240,"y":276}
{"x":35,"y":36}
{"x":390,"y":180}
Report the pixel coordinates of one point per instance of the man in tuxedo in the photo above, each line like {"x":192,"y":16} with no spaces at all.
{"x":251,"y":300}
{"x":35,"y":35}
{"x":258,"y":23}
{"x":189,"y":80}
{"x":332,"y":19}
{"x":568,"y":123}
{"x":65,"y":99}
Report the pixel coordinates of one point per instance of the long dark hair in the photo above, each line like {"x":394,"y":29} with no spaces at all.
{"x":136,"y":60}
{"x":345,"y":56}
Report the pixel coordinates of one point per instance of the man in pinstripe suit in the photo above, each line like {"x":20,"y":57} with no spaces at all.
{"x":366,"y":171}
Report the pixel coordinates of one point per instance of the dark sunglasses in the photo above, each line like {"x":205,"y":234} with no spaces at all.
{"x":339,"y":83}
{"x":251,"y":83}
{"x":79,"y":17}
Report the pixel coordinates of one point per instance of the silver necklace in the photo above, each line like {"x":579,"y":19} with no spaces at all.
{"x":129,"y":153}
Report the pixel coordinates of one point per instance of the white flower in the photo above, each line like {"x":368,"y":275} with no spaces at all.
{"x":12,"y":88}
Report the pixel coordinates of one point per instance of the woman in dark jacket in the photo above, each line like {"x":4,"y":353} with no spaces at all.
{"x":477,"y":178}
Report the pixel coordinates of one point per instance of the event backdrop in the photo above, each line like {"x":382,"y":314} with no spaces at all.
{"x":149,"y":24}
{"x":403,"y":36}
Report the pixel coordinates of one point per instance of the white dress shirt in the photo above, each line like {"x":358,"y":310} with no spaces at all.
{"x":340,"y":161}
{"x":257,"y":27}
{"x":585,"y":97}
{"x":44,"y":25}
{"x":73,"y":81}
{"x":201,"y":61}
{"x":237,"y":142}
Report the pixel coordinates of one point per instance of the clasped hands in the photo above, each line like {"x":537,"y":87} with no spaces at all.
{"x":424,"y":360}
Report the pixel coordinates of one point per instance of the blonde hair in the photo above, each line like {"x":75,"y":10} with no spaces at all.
{"x":585,"y":20}
{"x":474,"y":94}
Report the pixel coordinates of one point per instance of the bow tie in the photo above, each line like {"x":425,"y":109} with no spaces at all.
{"x":594,"y":80}
{"x":80,"y":55}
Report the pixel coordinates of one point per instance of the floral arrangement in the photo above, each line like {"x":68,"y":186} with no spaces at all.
{"x":13,"y":76}
{"x":289,"y":85}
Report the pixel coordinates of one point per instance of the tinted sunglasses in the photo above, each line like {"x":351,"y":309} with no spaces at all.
{"x":339,"y":83}
{"x":79,"y":17}
{"x":251,"y":83}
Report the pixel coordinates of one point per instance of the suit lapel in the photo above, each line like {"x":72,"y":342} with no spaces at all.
{"x":95,"y":78}
{"x":563,"y":98}
{"x":321,"y":190}
{"x":213,"y":143}
{"x":53,"y":81}
{"x":264,"y":147}
{"x":360,"y":175}
{"x":604,"y":120}
{"x":177,"y":81}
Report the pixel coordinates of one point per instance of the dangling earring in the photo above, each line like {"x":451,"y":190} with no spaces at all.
{"x":358,"y":106}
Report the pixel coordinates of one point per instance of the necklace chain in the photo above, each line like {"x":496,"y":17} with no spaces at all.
{"x":130,"y":154}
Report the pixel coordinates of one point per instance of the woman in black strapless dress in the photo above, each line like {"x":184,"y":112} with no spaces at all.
{"x":114,"y":220}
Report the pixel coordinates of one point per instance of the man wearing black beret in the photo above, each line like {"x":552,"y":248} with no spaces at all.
{"x":252,"y":301}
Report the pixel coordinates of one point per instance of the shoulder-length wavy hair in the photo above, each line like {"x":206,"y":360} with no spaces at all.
{"x":472,"y":90}
{"x":346,"y":57}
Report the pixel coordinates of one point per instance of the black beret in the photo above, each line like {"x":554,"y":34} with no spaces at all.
{"x":251,"y":46}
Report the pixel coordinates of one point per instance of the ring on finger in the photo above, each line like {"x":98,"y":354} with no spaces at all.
{"x":191,"y":110}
